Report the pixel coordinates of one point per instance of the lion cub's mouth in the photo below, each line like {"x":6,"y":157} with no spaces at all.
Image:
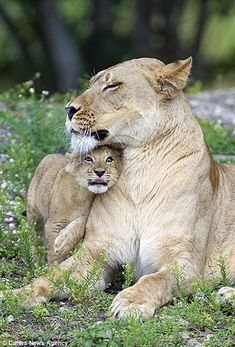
{"x":99,"y":135}
{"x":97,"y":182}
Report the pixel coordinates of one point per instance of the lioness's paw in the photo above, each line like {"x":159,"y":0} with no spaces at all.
{"x":132,"y":301}
{"x":226,"y":293}
{"x":62,"y":243}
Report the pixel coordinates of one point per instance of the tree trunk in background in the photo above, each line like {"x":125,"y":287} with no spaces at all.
{"x":203,"y":13}
{"x":142,"y":31}
{"x":169,"y":11}
{"x":17,"y":37}
{"x":102,"y":15}
{"x":102,"y":41}
{"x":64,"y":55}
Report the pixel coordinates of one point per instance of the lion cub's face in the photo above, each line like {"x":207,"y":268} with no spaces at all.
{"x":97,"y":171}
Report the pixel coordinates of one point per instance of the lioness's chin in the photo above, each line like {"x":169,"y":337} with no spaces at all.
{"x":83,"y":144}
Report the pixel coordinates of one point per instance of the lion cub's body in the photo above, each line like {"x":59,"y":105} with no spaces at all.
{"x":60,"y":198}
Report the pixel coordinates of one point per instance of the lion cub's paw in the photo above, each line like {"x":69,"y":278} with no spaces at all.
{"x":132,"y":302}
{"x":226,"y":293}
{"x":34,"y":301}
{"x":63,"y":242}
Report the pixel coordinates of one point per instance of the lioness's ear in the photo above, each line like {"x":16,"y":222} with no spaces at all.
{"x":173,"y":77}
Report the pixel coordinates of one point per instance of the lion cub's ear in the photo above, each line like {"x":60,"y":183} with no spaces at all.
{"x":71,"y":156}
{"x":173,"y":77}
{"x":73,"y":161}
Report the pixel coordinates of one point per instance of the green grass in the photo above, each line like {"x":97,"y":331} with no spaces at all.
{"x":33,"y":126}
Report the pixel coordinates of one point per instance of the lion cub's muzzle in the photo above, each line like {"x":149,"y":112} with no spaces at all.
{"x":99,"y":182}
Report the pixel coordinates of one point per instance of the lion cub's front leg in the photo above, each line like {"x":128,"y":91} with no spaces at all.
{"x":70,"y":236}
{"x":52,"y":230}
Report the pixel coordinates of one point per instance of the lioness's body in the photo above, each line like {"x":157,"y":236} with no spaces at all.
{"x":60,"y":197}
{"x":175,"y":205}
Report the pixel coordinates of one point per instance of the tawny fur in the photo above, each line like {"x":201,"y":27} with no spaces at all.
{"x":59,"y":198}
{"x":174,"y":206}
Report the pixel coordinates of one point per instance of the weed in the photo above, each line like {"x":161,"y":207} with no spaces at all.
{"x":218,"y":138}
{"x":223,"y":269}
{"x":39,"y":311}
{"x":178,"y":274}
{"x":128,"y":275}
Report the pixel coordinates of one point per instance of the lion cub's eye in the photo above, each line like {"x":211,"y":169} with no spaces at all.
{"x":109,"y":160}
{"x":112,"y":86}
{"x":88,"y":160}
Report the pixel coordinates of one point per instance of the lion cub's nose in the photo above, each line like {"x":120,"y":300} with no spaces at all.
{"x":99,"y":172}
{"x":71,"y":110}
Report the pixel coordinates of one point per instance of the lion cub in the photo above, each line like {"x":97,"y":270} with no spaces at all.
{"x":61,"y":193}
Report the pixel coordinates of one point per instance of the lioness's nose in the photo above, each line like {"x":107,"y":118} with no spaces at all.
{"x":71,"y":110}
{"x":99,"y":172}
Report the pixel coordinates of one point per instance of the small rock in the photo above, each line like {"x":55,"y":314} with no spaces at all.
{"x":10,"y":319}
{"x":12,"y":225}
{"x":193,"y":342}
{"x":9,"y":220}
{"x":185,"y":336}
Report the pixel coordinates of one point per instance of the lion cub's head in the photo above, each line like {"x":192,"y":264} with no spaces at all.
{"x":98,"y":170}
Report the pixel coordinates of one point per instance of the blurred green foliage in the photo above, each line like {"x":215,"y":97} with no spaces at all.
{"x":43,"y":35}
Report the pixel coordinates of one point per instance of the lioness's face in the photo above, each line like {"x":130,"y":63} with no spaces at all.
{"x":121,"y":105}
{"x":97,"y":171}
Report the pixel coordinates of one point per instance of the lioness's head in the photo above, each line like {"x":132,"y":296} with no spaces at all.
{"x":97,"y":171}
{"x":122,"y":103}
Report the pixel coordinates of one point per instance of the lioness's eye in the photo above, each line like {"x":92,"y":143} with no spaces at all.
{"x":109,"y":160}
{"x":88,"y":159}
{"x":112,"y":86}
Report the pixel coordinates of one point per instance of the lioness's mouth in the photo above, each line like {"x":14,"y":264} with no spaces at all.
{"x":75,"y":132}
{"x":99,"y":135}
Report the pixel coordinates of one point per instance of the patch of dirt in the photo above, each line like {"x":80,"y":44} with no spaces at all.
{"x":216,"y":105}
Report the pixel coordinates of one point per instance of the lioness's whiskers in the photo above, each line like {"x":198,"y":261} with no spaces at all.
{"x":146,"y":120}
{"x":96,"y":132}
{"x":133,"y":134}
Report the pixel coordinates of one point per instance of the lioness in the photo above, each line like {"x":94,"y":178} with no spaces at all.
{"x":61,"y":193}
{"x":175,"y":205}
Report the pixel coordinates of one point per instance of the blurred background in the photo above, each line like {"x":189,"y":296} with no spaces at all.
{"x":64,"y":40}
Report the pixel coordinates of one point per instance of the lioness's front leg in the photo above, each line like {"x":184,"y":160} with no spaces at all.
{"x":70,"y":236}
{"x":152,"y":291}
{"x":149,"y":292}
